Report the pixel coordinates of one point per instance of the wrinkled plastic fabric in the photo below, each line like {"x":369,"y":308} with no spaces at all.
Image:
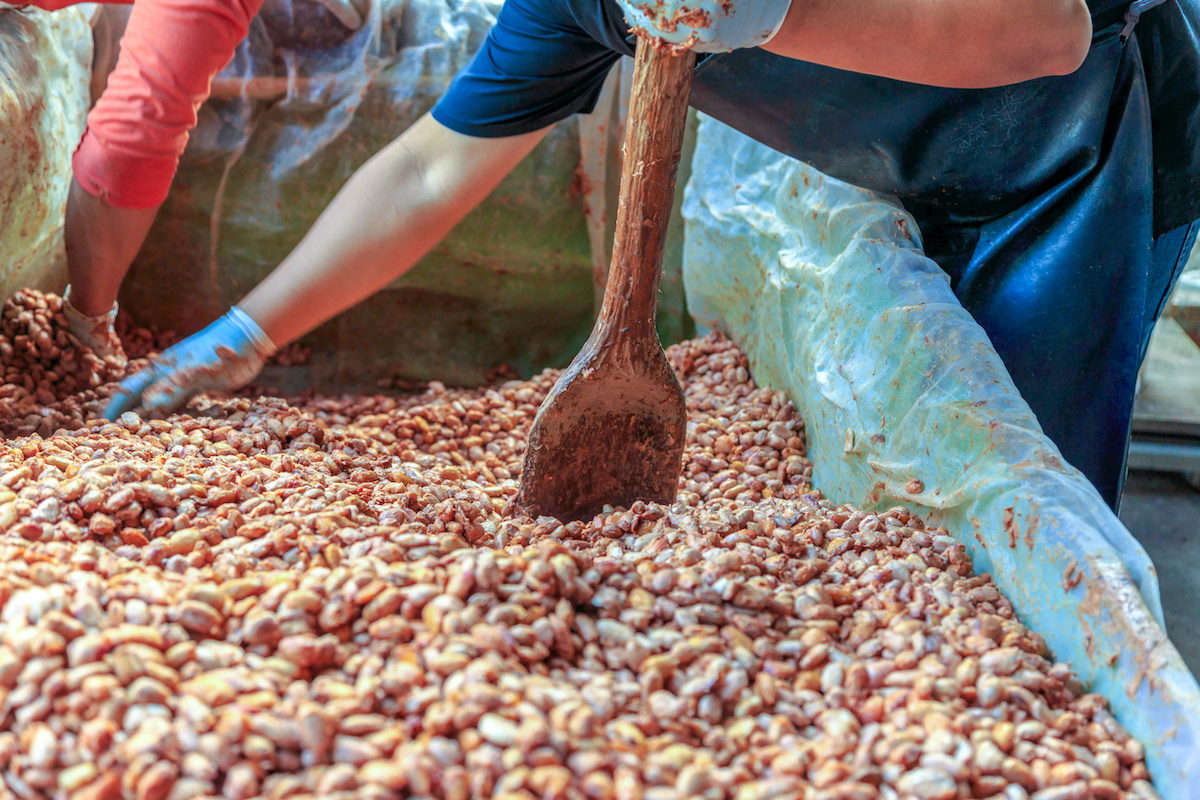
{"x":827,"y":289}
{"x":1036,"y":198}
{"x":44,"y":63}
{"x":291,"y":118}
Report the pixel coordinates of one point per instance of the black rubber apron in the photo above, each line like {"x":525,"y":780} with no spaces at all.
{"x":1037,"y":199}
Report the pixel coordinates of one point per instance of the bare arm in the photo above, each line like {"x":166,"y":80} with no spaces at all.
{"x":965,"y":44}
{"x":391,"y":212}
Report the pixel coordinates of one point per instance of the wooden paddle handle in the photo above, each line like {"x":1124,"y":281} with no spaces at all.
{"x":662,"y":82}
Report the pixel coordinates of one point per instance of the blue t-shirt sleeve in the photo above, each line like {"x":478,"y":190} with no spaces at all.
{"x":542,"y":61}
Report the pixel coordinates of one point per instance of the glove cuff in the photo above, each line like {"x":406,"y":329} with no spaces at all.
{"x":98,"y":334}
{"x":73,"y":314}
{"x":778,"y":24}
{"x":727,"y":24}
{"x":257,"y":337}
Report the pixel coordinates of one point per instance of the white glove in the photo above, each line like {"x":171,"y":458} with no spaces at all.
{"x":707,"y":26}
{"x":98,"y":334}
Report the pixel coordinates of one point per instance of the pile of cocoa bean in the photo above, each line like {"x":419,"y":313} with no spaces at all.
{"x":50,"y":382}
{"x":332,"y":598}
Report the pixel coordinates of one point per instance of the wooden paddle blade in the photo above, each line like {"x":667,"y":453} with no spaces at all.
{"x":606,"y":435}
{"x":611,"y":430}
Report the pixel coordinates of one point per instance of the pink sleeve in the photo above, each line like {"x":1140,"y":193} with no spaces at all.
{"x":55,"y":5}
{"x":137,"y":131}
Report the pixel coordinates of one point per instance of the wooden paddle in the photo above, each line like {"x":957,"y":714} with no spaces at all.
{"x":612,"y":429}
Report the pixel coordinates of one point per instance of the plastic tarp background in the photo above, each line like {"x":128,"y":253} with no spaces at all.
{"x":826,"y":288}
{"x":45,"y":60}
{"x":291,"y":118}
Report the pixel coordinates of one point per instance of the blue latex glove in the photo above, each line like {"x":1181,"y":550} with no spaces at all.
{"x":707,"y":26}
{"x":223,"y":356}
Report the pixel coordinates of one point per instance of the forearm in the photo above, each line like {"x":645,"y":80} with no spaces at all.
{"x":952,"y":43}
{"x":101,"y":243}
{"x":396,"y":208}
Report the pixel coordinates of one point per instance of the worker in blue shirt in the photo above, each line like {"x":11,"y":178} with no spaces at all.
{"x":1048,"y":149}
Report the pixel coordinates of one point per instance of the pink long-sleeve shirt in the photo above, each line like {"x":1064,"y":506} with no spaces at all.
{"x":139,"y":127}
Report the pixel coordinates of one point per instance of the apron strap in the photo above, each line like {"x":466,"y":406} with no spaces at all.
{"x":1135,"y":11}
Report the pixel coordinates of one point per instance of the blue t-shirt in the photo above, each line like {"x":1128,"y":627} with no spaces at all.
{"x":542,"y":62}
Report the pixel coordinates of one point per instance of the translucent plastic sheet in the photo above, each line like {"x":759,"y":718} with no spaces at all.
{"x":305,"y":102}
{"x":826,"y":288}
{"x":44,"y":63}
